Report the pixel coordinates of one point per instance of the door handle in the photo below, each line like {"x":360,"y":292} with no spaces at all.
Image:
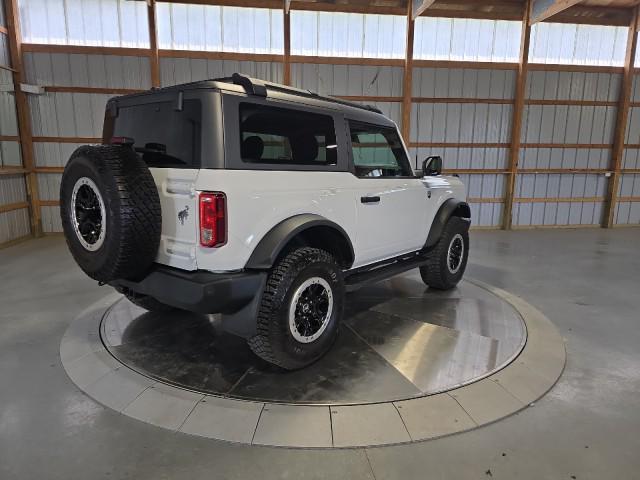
{"x":370,"y":199}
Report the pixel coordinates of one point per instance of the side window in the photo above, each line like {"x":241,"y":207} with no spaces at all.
{"x":286,"y":136}
{"x":378,"y":151}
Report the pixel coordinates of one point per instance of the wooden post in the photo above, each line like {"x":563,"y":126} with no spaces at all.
{"x":154,"y":60}
{"x":407,"y":77}
{"x":621,"y":121}
{"x":286,"y":58}
{"x":24,"y":118}
{"x":518,"y":109}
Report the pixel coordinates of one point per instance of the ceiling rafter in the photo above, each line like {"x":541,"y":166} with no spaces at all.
{"x":544,"y":9}
{"x":419,"y":7}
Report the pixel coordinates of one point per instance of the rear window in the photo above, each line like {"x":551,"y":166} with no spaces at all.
{"x":164,"y":136}
{"x":285,"y":136}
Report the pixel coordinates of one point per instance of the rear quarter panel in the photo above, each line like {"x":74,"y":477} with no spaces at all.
{"x":259,"y":200}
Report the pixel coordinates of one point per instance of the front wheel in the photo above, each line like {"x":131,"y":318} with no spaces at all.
{"x":448,"y":260}
{"x":301,"y":309}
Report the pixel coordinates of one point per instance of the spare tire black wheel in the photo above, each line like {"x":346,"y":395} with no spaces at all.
{"x":110,"y":211}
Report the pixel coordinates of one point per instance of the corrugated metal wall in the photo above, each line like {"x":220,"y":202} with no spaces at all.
{"x":577,"y":44}
{"x":468,"y":106}
{"x":550,"y":125}
{"x":466,"y":39}
{"x":628,"y":206}
{"x":181,"y":70}
{"x":113,"y":23}
{"x":223,"y":29}
{"x":14,"y":222}
{"x":484,"y":125}
{"x":352,"y":80}
{"x":336,"y":34}
{"x":65,"y":114}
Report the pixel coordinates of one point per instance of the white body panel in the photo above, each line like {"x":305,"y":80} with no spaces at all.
{"x":257,"y":200}
{"x":179,"y":202}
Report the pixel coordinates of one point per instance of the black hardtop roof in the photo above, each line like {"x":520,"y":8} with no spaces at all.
{"x":254,"y":86}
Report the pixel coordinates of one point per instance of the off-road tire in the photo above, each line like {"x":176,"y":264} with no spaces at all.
{"x":274,"y":341}
{"x":133,"y":213}
{"x":149,"y":303}
{"x":436,"y":273}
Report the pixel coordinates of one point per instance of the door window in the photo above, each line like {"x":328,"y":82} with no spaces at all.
{"x":378,"y":151}
{"x":285,"y":136}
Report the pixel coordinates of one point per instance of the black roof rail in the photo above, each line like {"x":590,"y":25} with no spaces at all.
{"x":255,"y":86}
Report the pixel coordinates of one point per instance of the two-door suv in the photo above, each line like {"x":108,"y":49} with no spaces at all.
{"x":261,"y":202}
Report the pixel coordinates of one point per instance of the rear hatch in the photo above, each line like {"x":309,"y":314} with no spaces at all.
{"x":166,"y":130}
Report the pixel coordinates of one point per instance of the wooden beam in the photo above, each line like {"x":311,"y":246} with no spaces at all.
{"x":419,"y":7}
{"x":379,"y":62}
{"x":86,"y":49}
{"x":67,"y":139}
{"x":593,"y":15}
{"x":458,"y":145}
{"x":465,"y":64}
{"x":286,"y":58}
{"x":490,"y":101}
{"x":559,"y":199}
{"x":348,"y":7}
{"x":543,"y":9}
{"x":471,"y":14}
{"x":13,"y":171}
{"x":580,"y":103}
{"x":154,"y":60}
{"x":255,"y":57}
{"x":621,"y":120}
{"x":22,"y":112}
{"x":92,"y":90}
{"x":368,"y":98}
{"x":516,"y":122}
{"x":407,"y":83}
{"x":10,"y":207}
{"x":563,"y":67}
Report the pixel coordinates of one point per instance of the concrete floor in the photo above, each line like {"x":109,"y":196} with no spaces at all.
{"x":587,"y":427}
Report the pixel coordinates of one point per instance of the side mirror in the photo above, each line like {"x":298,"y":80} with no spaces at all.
{"x":432,"y":166}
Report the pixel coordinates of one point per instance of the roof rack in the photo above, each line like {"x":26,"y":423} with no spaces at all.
{"x":255,"y":86}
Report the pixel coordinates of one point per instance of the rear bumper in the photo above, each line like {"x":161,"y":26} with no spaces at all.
{"x":198,"y":291}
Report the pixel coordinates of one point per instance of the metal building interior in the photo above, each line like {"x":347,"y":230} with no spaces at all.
{"x":533,"y":104}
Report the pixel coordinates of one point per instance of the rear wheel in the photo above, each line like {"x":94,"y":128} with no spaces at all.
{"x":301,"y":309}
{"x":448,"y":260}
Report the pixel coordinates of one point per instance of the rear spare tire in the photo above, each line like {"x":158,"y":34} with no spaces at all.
{"x":110,"y":211}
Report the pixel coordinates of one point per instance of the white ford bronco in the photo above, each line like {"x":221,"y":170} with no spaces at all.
{"x":260,"y":202}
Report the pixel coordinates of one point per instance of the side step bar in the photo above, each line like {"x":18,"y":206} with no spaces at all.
{"x":383,"y":270}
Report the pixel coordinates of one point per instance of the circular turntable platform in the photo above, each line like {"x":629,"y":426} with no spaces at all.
{"x":396,"y":343}
{"x":409,"y":364}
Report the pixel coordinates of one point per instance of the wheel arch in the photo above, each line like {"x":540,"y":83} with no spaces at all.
{"x":451,"y":207}
{"x":302,"y":230}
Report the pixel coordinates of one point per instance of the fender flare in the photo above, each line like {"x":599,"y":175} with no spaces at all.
{"x":271,"y":245}
{"x":450,"y":207}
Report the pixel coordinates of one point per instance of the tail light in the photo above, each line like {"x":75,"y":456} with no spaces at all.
{"x":213,"y":219}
